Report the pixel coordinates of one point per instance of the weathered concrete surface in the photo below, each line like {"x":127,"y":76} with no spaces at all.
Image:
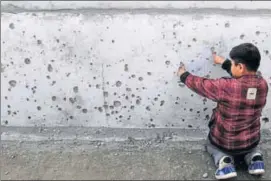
{"x":56,"y":5}
{"x":112,"y":161}
{"x":89,"y":86}
{"x":94,"y":70}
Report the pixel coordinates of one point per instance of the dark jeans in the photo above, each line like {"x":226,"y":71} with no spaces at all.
{"x":217,"y":154}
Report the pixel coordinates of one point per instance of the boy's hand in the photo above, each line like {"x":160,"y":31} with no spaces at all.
{"x":217,"y":59}
{"x":181,"y":69}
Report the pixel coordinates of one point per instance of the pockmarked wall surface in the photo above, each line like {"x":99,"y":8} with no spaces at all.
{"x":110,"y":68}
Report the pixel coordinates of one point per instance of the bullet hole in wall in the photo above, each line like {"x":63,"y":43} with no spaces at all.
{"x":100,"y":109}
{"x":50,"y":68}
{"x":148,"y":108}
{"x":98,"y":86}
{"x":118,"y":83}
{"x":265,"y":119}
{"x":266,"y":52}
{"x":39,"y":42}
{"x":106,"y":107}
{"x":207,"y":76}
{"x":38,"y":108}
{"x":257,"y":33}
{"x":29,"y":117}
{"x":78,"y":107}
{"x":53,"y":98}
{"x":167,"y":62}
{"x":190,"y":126}
{"x":205,"y":109}
{"x":242,"y":36}
{"x":105,"y":94}
{"x":117,"y":103}
{"x":12,"y":83}
{"x":75,"y":89}
{"x":227,"y":25}
{"x":194,"y":39}
{"x":53,"y":83}
{"x":207,"y":117}
{"x":84,"y":110}
{"x":151,"y":125}
{"x":140,"y":78}
{"x":113,"y":41}
{"x":72,"y":100}
{"x":162,"y":103}
{"x":126,"y":69}
{"x":27,"y":61}
{"x":6,"y":122}
{"x":11,"y":26}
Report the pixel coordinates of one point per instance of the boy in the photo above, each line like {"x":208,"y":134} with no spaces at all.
{"x":235,"y":122}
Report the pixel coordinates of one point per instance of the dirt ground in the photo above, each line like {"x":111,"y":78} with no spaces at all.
{"x":86,"y":161}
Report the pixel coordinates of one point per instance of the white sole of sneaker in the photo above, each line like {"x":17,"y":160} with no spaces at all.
{"x":256,"y":172}
{"x":231,"y":175}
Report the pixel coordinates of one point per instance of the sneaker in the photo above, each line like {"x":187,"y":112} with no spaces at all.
{"x":256,"y":166}
{"x":226,"y":169}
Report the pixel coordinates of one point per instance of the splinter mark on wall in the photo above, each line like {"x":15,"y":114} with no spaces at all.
{"x":12,"y":83}
{"x":75,"y":89}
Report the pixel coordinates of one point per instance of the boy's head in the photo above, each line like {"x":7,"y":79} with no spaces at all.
{"x":245,"y":59}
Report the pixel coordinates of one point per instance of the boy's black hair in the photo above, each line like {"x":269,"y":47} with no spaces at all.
{"x":248,"y":54}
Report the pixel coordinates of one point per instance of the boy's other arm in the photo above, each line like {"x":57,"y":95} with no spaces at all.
{"x":227,"y":66}
{"x":208,"y":88}
{"x":226,"y":63}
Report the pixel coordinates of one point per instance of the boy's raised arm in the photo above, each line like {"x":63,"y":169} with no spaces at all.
{"x":226,"y":63}
{"x":208,"y":88}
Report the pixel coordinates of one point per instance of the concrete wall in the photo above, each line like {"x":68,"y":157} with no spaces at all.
{"x":91,"y":64}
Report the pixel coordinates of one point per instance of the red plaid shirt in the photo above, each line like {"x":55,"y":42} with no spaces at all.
{"x":235,"y":123}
